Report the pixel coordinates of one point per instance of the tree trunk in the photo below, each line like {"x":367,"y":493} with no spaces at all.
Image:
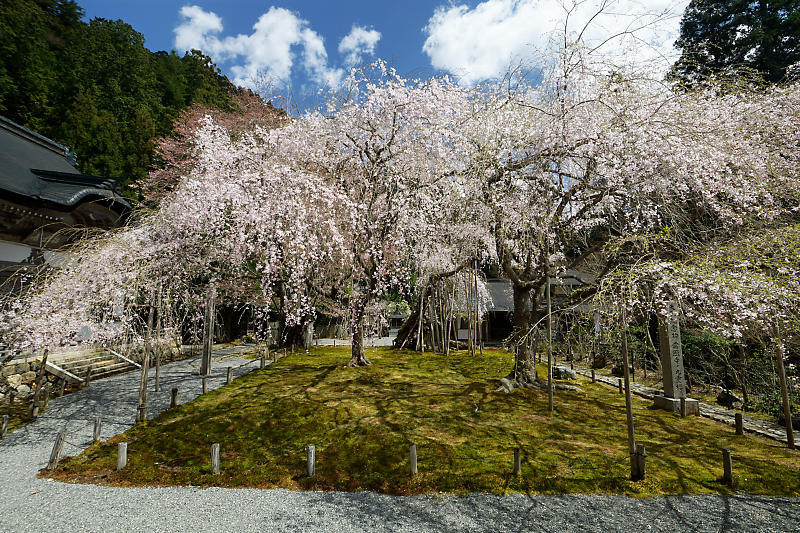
{"x":358,"y":357}
{"x":524,"y":372}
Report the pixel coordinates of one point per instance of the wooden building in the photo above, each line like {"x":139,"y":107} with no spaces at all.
{"x":45,"y":203}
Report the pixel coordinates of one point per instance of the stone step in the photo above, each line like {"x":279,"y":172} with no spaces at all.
{"x":91,"y":356}
{"x":97,"y":367}
{"x":106,"y":373}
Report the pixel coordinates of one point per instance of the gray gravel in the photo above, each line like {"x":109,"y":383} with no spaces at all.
{"x":31,"y":504}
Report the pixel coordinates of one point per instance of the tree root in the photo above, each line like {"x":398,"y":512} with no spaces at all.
{"x":358,"y":361}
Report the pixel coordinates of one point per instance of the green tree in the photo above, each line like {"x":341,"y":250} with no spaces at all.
{"x":732,"y":37}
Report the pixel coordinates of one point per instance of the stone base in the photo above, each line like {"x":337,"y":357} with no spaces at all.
{"x":674,"y":404}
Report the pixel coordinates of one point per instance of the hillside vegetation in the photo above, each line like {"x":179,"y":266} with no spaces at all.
{"x":95,"y":87}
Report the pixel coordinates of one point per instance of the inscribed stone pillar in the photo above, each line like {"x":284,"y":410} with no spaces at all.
{"x":669,"y":337}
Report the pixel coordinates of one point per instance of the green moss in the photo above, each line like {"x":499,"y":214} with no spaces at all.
{"x":363,"y":420}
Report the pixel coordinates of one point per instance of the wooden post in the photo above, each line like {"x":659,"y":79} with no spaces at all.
{"x":739,"y":424}
{"x":204,"y":384}
{"x":412,"y":455}
{"x":727,"y":468}
{"x":158,"y":338}
{"x":215,"y":458}
{"x":56,"y":453}
{"x":311,"y":453}
{"x":62,"y":385}
{"x":158,"y":370}
{"x":683,"y":407}
{"x":173,"y":402}
{"x":122,"y":455}
{"x":549,"y":346}
{"x":87,"y":378}
{"x":640,"y":457}
{"x":208,"y":331}
{"x":619,"y":385}
{"x":38,"y":386}
{"x":593,"y":380}
{"x":517,"y":461}
{"x":97,"y":428}
{"x":264,"y":360}
{"x":4,"y":429}
{"x":787,"y":412}
{"x":636,"y":475}
{"x":46,"y":399}
{"x":229,"y":376}
{"x":141,"y":404}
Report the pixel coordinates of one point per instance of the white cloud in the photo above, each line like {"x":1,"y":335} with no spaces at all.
{"x":269,"y":51}
{"x":198,"y":23}
{"x":482,"y":42}
{"x":360,"y":41}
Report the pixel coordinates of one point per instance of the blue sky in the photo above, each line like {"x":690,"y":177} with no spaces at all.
{"x":305,"y":45}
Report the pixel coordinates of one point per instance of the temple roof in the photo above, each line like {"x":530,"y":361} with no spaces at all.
{"x":35,"y":167}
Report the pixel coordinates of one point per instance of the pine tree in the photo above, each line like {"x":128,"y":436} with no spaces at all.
{"x":733,"y":37}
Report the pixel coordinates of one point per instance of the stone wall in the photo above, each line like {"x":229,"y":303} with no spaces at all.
{"x":19,"y":378}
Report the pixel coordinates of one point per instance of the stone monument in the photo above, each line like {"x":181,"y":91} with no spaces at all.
{"x":669,"y":339}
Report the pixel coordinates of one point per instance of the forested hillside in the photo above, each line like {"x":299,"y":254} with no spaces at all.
{"x":95,"y":87}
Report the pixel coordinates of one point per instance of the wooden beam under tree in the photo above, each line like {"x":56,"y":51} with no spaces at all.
{"x":141,"y":405}
{"x":787,"y":411}
{"x":636,"y":475}
{"x":38,"y":386}
{"x":208,"y":331}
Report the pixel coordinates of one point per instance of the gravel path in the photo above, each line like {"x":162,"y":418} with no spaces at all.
{"x":31,"y":504}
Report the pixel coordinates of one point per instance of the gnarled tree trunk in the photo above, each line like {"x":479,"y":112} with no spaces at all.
{"x":524,"y":371}
{"x":358,"y":357}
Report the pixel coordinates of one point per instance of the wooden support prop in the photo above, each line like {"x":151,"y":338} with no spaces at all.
{"x":412,"y":456}
{"x":263,"y":360}
{"x":61,"y":387}
{"x":683,"y":407}
{"x":122,"y":455}
{"x":229,"y":375}
{"x":727,"y":468}
{"x":88,"y":378}
{"x":787,"y":412}
{"x":311,"y":459}
{"x":640,"y":460}
{"x":204,"y":384}
{"x":619,"y":385}
{"x":517,"y":461}
{"x":636,"y":474}
{"x":37,"y":394}
{"x":215,"y":458}
{"x":56,"y":453}
{"x":549,"y":346}
{"x":739,"y":424}
{"x":46,"y":399}
{"x":98,"y":425}
{"x":4,"y":429}
{"x":173,"y":402}
{"x":593,"y":379}
{"x":208,"y":331}
{"x":141,"y":402}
